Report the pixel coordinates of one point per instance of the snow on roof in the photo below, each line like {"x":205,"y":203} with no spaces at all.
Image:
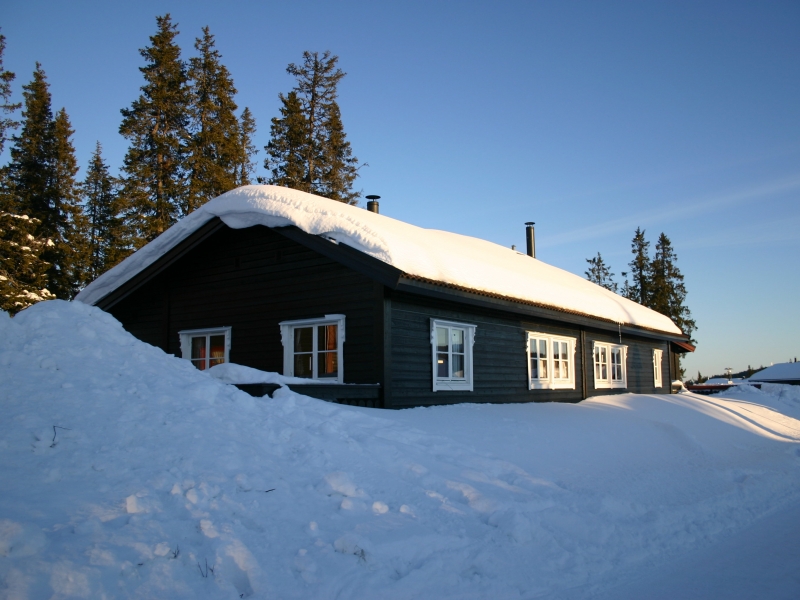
{"x":431,"y":254}
{"x":779,"y":372}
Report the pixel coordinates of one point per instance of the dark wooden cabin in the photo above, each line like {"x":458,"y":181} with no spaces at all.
{"x":282,"y":300}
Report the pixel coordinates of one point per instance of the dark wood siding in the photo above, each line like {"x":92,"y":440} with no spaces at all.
{"x":639,"y":365}
{"x":251,"y":279}
{"x":499,"y":356}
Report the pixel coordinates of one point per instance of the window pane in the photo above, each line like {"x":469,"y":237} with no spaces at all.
{"x":302,"y":365}
{"x":441,"y":339}
{"x":457,"y":335}
{"x":534,"y":368}
{"x":542,"y":348}
{"x":328,"y":364}
{"x":543,"y":367}
{"x":200,"y":364}
{"x":442,"y":365}
{"x":565,"y":369}
{"x":326,"y":337}
{"x":458,"y":366}
{"x":198,"y":347}
{"x":534,"y":348}
{"x":303,"y":341}
{"x":217,"y":350}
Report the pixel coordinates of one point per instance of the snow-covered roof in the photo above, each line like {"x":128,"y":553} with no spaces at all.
{"x":427,"y":253}
{"x":779,"y":372}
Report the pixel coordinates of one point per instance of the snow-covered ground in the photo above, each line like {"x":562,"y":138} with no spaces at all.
{"x":125,"y":472}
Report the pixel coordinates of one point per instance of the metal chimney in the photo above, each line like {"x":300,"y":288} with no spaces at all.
{"x":372,"y":205}
{"x":530,"y":236}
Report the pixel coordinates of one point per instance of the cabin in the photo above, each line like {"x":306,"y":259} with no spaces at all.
{"x":372,"y":311}
{"x":787,"y":373}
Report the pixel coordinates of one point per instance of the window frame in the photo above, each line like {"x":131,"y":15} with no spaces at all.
{"x":610,"y":382}
{"x":185,"y":336}
{"x":658,"y":375}
{"x":287,"y":339}
{"x":442,"y":384}
{"x":550,"y":382}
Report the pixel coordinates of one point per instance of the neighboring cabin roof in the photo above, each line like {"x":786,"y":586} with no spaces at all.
{"x":438,"y":256}
{"x":780,"y":372}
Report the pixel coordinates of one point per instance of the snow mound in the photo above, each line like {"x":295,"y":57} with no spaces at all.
{"x":431,"y":254}
{"x":126,"y":472}
{"x":233,"y":373}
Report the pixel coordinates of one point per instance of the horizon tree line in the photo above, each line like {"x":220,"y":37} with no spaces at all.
{"x":188,"y":143}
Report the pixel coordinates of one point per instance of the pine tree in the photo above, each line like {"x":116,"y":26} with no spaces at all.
{"x":156,"y":125}
{"x":309,"y":150}
{"x":638,"y":289}
{"x":106,"y":236}
{"x":7,"y":108}
{"x":600,"y":274}
{"x":667,"y":289}
{"x":216,"y":156}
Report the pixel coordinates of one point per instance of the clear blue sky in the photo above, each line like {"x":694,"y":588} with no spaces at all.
{"x":590,"y":118}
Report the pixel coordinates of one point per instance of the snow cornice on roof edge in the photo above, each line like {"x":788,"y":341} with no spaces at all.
{"x":438,"y":256}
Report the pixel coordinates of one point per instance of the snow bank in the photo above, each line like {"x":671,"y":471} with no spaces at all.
{"x":125,"y":472}
{"x":233,"y":373}
{"x":437,"y":255}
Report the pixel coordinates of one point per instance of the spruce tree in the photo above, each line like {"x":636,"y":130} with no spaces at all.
{"x":217,"y":153}
{"x":31,"y":155}
{"x":287,"y":146}
{"x":107,"y":244}
{"x":244,"y":165}
{"x":667,"y":289}
{"x":23,"y":273}
{"x":638,"y":289}
{"x":6,"y":107}
{"x":41,"y":178}
{"x":309,"y":136}
{"x":157,"y":125}
{"x":340,"y":166}
{"x":600,"y":274}
{"x":70,"y":253}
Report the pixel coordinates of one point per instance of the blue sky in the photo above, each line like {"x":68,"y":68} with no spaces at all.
{"x":589,"y":118}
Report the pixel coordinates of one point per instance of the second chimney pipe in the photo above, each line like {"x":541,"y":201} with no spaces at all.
{"x":372,"y":205}
{"x":529,"y":235}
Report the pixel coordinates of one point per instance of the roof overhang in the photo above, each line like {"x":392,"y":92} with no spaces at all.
{"x":393,"y":279}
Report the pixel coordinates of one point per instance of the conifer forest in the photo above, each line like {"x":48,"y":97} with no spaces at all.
{"x":188,"y":142}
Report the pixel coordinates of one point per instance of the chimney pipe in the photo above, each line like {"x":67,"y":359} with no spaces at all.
{"x":372,"y":205}
{"x":530,"y":236}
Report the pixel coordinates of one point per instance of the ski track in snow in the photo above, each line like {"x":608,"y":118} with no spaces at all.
{"x":127,"y":473}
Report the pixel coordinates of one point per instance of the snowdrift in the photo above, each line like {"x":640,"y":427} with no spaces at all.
{"x":125,"y":472}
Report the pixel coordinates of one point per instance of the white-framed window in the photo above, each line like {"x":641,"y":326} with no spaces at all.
{"x":313,"y":348}
{"x":451,"y":346}
{"x":657,"y":356}
{"x":610,"y":370}
{"x":206,"y":347}
{"x":551,"y":362}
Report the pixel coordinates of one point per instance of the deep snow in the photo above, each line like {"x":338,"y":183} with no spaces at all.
{"x":437,"y":255}
{"x":125,"y":472}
